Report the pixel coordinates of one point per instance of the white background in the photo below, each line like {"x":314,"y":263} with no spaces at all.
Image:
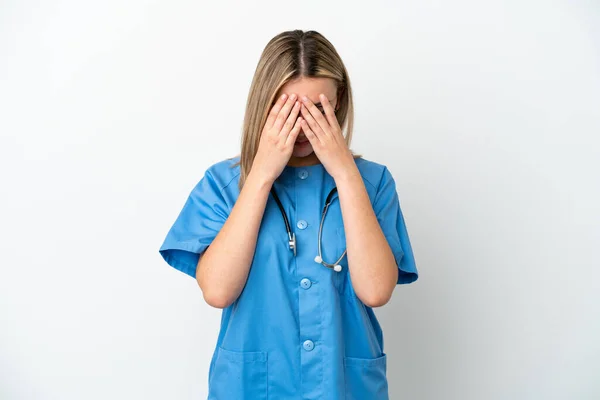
{"x":486,"y":112}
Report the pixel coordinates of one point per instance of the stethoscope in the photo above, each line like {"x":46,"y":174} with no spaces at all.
{"x":292,"y":236}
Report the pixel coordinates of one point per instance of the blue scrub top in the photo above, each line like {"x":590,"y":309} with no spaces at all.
{"x":297,"y":330}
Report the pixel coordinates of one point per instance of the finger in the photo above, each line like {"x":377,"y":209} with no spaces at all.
{"x":316,"y":115}
{"x":291,"y":119}
{"x":314,"y":139}
{"x":314,"y":126}
{"x":275,"y":109}
{"x":329,"y":111}
{"x":291,"y":139}
{"x":284,"y":112}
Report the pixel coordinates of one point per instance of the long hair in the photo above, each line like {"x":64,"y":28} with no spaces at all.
{"x":288,"y":56}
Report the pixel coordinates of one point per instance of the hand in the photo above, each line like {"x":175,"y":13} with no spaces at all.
{"x":277,"y":138}
{"x":326,"y":137}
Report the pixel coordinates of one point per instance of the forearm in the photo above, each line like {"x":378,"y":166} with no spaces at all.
{"x":371,"y":263}
{"x":223,"y":269}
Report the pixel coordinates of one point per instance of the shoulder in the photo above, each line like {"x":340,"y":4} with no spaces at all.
{"x":224,"y":172}
{"x":373,"y":173}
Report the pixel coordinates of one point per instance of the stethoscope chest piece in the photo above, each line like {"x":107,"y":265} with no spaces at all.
{"x":292,"y":242}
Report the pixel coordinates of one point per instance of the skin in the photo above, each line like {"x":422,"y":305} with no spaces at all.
{"x":310,"y":87}
{"x":223,"y":268}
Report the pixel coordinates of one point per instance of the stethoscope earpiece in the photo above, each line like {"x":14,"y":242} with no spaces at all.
{"x":336,"y":267}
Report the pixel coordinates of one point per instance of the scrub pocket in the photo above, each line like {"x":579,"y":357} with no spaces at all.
{"x":366,"y":378}
{"x":238,"y":375}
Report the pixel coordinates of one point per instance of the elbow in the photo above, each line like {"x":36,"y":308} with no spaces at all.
{"x":213,"y":298}
{"x":381,"y":294}
{"x":216,"y":300}
{"x":377,"y":300}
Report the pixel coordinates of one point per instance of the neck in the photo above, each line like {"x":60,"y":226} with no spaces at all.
{"x":311,"y":159}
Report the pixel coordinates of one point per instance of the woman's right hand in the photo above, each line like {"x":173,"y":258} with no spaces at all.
{"x":278,"y":138}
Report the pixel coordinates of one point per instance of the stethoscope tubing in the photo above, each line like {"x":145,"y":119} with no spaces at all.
{"x":292,"y":237}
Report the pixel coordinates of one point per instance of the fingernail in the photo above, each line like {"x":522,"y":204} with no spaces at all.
{"x":304,"y":98}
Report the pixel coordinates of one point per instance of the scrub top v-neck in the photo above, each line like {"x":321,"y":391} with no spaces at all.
{"x":297,"y":330}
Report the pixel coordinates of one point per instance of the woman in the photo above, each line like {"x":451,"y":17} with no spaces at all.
{"x":296,"y":280}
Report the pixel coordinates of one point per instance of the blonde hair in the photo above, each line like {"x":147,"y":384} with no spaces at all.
{"x":288,"y":56}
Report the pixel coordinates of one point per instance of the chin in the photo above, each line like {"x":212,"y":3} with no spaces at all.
{"x":303,"y":152}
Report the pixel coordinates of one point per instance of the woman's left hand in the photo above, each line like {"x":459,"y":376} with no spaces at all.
{"x":325,"y":136}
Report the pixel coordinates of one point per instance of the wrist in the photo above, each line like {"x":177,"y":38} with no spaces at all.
{"x":259,"y":180}
{"x":347,"y":173}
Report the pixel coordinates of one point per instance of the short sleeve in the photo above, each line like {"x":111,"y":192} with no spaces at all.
{"x":196,"y":226}
{"x":388,"y":212}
